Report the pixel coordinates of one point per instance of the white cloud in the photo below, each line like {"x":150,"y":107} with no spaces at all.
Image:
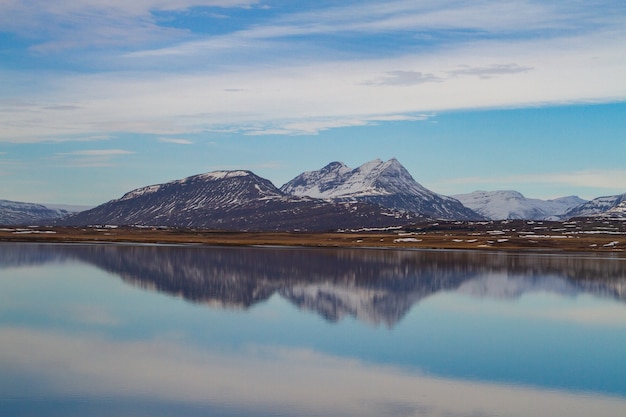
{"x":336,"y":92}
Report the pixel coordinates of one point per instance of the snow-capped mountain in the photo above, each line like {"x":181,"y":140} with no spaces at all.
{"x":14,"y":213}
{"x":610,"y":206}
{"x":233,"y":200}
{"x":387,"y":184}
{"x":508,"y":204}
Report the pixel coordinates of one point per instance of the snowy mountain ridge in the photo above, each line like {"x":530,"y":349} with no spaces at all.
{"x":610,"y":206}
{"x":387,"y":184}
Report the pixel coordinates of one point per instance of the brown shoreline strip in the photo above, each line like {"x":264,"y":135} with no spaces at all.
{"x":493,"y":236}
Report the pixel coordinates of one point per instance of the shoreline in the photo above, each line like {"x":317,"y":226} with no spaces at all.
{"x":450,"y":236}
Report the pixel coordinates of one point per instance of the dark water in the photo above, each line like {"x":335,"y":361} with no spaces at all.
{"x":125,"y":330}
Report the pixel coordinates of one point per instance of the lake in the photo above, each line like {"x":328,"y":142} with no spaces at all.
{"x":156,"y":330}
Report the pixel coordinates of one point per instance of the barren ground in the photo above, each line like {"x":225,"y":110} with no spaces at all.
{"x":582,"y":235}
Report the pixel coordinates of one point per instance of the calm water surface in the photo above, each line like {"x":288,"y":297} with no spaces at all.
{"x":126,"y":330}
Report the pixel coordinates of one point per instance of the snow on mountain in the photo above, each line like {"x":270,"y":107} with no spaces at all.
{"x":387,"y":184}
{"x":608,"y":206}
{"x":233,"y":200}
{"x":13,"y":213}
{"x":209,"y":190}
{"x":508,"y":204}
{"x":336,"y":180}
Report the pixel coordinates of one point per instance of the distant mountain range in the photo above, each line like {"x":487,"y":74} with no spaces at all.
{"x":376,"y":195}
{"x":506,"y":204}
{"x":19,"y":213}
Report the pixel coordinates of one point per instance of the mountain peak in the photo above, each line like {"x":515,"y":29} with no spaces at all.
{"x":335,"y":167}
{"x":387,"y":184}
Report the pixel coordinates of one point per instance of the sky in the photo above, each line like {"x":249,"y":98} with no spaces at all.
{"x":101,"y":97}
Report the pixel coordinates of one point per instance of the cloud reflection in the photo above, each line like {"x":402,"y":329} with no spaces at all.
{"x":262,"y":379}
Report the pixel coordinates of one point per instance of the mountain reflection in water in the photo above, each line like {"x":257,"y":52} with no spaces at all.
{"x":447,"y":333}
{"x":374,"y":286}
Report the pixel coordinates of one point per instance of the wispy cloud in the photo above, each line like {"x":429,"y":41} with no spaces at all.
{"x":91,"y":158}
{"x":278,"y":79}
{"x":66,"y":24}
{"x":314,"y":126}
{"x":489,"y":71}
{"x":96,"y":152}
{"x":430,"y":20}
{"x":404,"y":78}
{"x":176,"y":141}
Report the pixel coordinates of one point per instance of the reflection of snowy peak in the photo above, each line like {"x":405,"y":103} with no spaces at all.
{"x":609,"y":206}
{"x":335,"y":301}
{"x":387,"y":184}
{"x":18,"y":213}
{"x":505,"y":205}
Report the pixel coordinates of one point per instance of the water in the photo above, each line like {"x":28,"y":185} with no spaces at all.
{"x":128,"y":330}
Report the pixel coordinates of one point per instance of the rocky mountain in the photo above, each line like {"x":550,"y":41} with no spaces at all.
{"x":610,"y":206}
{"x":234,"y":200}
{"x":508,"y":205}
{"x":15,"y":213}
{"x":387,"y":184}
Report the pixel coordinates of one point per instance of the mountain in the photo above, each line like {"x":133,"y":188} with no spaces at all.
{"x":507,"y":204}
{"x":387,"y":184}
{"x":610,"y":206}
{"x":233,"y":200}
{"x":15,"y":213}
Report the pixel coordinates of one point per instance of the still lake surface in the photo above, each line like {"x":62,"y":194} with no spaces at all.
{"x":149,"y":330}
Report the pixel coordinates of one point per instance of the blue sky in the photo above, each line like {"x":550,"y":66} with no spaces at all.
{"x":98,"y":97}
